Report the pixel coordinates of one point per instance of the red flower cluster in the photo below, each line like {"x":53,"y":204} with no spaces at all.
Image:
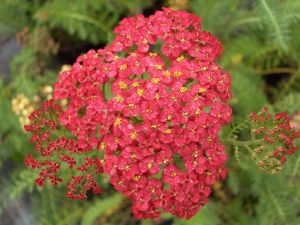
{"x":158,"y":128}
{"x":60,"y":151}
{"x":277,"y":139}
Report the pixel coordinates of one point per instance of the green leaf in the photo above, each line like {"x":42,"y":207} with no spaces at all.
{"x":277,"y":27}
{"x":99,"y":207}
{"x":206,"y":216}
{"x":147,"y":222}
{"x":247,"y":91}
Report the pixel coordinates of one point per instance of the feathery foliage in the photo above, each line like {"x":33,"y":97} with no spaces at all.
{"x":261,"y":50}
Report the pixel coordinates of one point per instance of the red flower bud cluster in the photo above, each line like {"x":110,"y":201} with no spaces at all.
{"x":277,"y":139}
{"x":158,"y":128}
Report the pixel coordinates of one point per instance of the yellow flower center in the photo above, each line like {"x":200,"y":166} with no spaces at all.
{"x":183,"y":90}
{"x":155,"y":80}
{"x":167,"y":73}
{"x":140,"y":92}
{"x":153,"y":54}
{"x":119,"y":98}
{"x":184,"y":114}
{"x":137,"y":177}
{"x":102,"y":146}
{"x":173,"y":174}
{"x":137,"y":64}
{"x":157,"y":96}
{"x":195,"y":154}
{"x":123,"y":67}
{"x":118,"y":121}
{"x":197,"y":111}
{"x":158,"y":67}
{"x":180,"y":58}
{"x":153,"y":126}
{"x":131,"y":105}
{"x":177,"y":73}
{"x":168,"y":131}
{"x":133,"y":135}
{"x":201,"y":90}
{"x":122,"y":85}
{"x":127,"y":168}
{"x":135,"y":84}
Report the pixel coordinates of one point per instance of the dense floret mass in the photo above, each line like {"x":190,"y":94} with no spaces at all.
{"x":146,"y":110}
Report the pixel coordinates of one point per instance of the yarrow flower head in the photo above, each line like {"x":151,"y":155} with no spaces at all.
{"x":145,"y":110}
{"x":277,"y":137}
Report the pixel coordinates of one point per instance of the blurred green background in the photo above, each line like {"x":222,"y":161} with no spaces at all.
{"x":261,"y":50}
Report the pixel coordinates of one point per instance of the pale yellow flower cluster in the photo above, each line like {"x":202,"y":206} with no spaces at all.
{"x":65,"y":67}
{"x":46,"y":91}
{"x":295,"y":122}
{"x":23,"y":107}
{"x":178,"y":4}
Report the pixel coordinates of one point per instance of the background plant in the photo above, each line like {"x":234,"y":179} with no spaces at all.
{"x":260,"y":49}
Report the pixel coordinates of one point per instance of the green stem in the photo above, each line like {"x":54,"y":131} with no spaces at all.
{"x":248,"y":148}
{"x":276,"y":204}
{"x":275,"y":22}
{"x":232,"y":141}
{"x":295,"y":170}
{"x":279,"y":70}
{"x":252,"y":134}
{"x":236,"y":154}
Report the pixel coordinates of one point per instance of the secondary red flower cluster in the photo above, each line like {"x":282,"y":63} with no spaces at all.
{"x":153,"y":103}
{"x":60,"y":151}
{"x":277,"y":139}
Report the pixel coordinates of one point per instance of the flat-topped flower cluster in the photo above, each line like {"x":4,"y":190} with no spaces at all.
{"x":145,"y":110}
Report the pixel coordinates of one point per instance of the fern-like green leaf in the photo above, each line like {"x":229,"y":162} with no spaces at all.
{"x":90,"y":20}
{"x":207,"y":216}
{"x":100,"y":207}
{"x":247,"y":91}
{"x":238,"y":128}
{"x":23,"y":183}
{"x":290,"y":103}
{"x":276,"y":26}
